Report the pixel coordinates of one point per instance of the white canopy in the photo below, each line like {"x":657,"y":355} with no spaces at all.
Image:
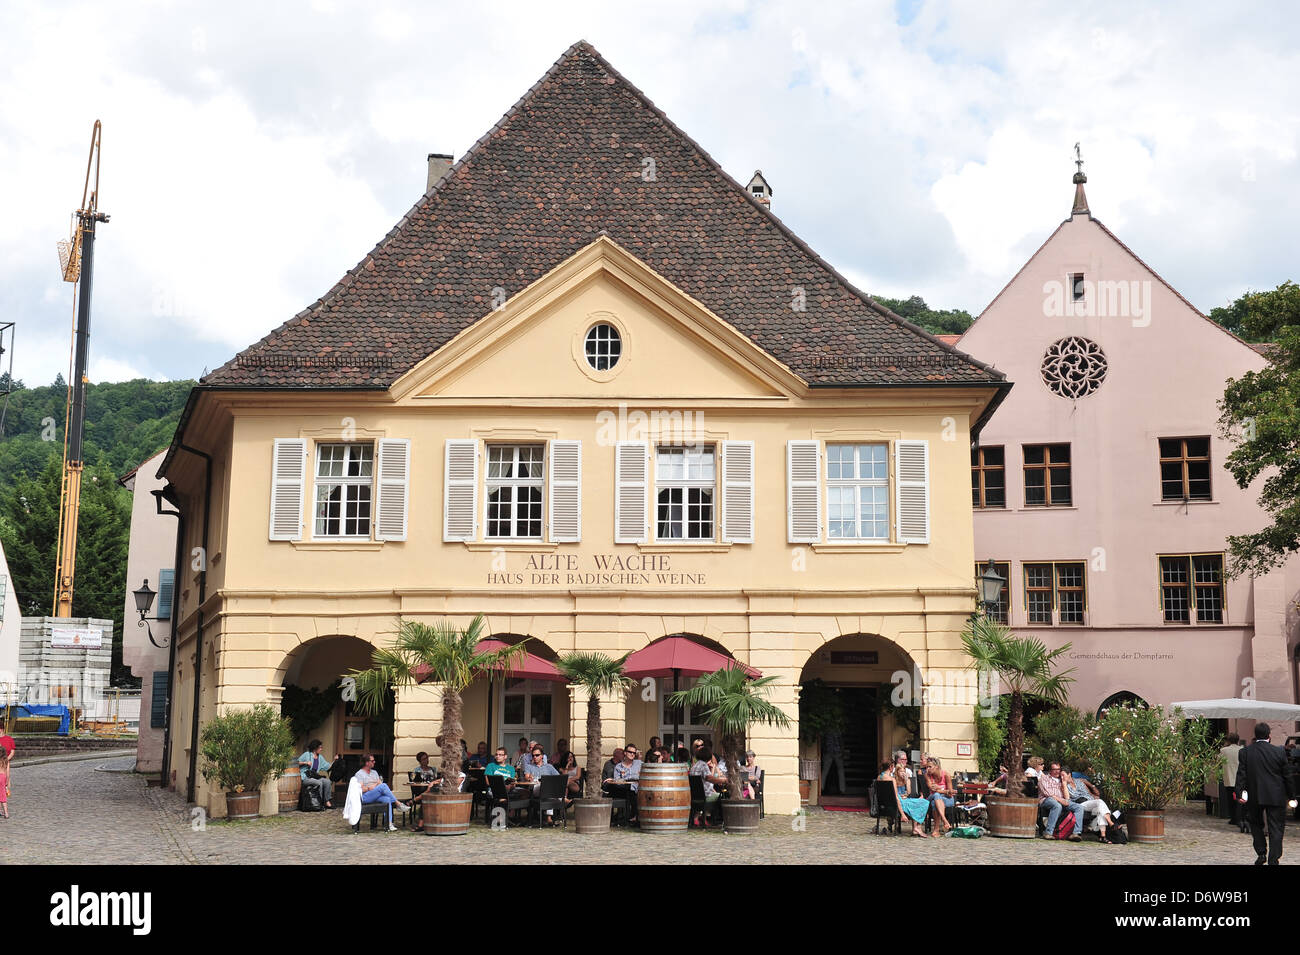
{"x":1234,"y":709}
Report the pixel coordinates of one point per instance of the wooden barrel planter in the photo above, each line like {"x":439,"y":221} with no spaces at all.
{"x":447,"y":814}
{"x":663,"y":798}
{"x":1145,"y":826}
{"x":592,"y":815}
{"x":242,"y":806}
{"x":1012,"y":818}
{"x":289,"y":785}
{"x":740,"y":816}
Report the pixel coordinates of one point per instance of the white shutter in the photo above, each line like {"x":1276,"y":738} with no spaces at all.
{"x":566,"y":491}
{"x":460,"y":490}
{"x":288,"y":474}
{"x":738,"y":492}
{"x":803,"y":491}
{"x":631,"y":491}
{"x":392,"y":489}
{"x":912,"y":467}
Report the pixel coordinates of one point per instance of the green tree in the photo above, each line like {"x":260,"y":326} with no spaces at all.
{"x":935,"y":321}
{"x":1026,"y":669}
{"x":600,"y":676}
{"x":1260,"y":412}
{"x":730,"y":702}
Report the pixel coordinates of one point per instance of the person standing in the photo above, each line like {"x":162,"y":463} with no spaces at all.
{"x":1265,"y":784}
{"x":832,"y":755}
{"x":1230,"y":751}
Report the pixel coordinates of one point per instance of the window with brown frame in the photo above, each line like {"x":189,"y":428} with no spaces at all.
{"x":1185,"y":469}
{"x":1055,"y":593}
{"x":1000,"y":610}
{"x":1047,"y":475}
{"x":988,"y":477}
{"x":1191,"y":588}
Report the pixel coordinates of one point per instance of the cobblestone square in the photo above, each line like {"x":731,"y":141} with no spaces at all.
{"x":96,"y":811}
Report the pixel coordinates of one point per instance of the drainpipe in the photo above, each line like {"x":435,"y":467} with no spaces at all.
{"x":169,"y":494}
{"x":198,"y":634}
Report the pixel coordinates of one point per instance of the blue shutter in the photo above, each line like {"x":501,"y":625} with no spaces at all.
{"x":165,"y":581}
{"x":158,"y":702}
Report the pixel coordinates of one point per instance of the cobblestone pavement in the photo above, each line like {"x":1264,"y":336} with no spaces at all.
{"x":97,"y":811}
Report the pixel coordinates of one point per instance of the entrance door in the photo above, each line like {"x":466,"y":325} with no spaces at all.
{"x":858,"y":744}
{"x":358,"y":735}
{"x":526,"y":711}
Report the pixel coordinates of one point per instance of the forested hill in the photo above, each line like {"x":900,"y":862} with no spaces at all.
{"x":126,"y":422}
{"x":951,"y":321}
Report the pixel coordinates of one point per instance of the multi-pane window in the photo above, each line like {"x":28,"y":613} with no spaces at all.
{"x":1185,"y":469}
{"x":1055,"y":587}
{"x":988,"y":477}
{"x":1047,"y":475}
{"x":514,"y":490}
{"x":344,"y":478}
{"x":685,"y":478}
{"x":999,"y":610}
{"x":1191,"y":588}
{"x":857,"y":491}
{"x":603,"y":346}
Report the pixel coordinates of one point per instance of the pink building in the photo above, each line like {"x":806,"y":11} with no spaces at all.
{"x":1099,"y":487}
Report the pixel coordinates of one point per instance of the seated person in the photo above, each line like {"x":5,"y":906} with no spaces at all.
{"x":706,"y":766}
{"x":501,"y":766}
{"x":573,"y":773}
{"x":537,"y":766}
{"x":607,"y":771}
{"x":1035,"y":767}
{"x":1053,"y":795}
{"x":1086,"y":798}
{"x":315,"y":772}
{"x":480,"y":758}
{"x":523,"y":755}
{"x":374,"y":789}
{"x":941,"y":793}
{"x":999,"y":784}
{"x":423,"y":772}
{"x":627,"y":773}
{"x":752,"y":775}
{"x":560,"y":756}
{"x":913,"y":809}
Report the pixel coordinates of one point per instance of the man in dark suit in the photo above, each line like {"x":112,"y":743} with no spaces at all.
{"x":1264,"y":774}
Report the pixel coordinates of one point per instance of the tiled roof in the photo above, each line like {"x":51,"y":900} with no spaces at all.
{"x":568,"y":161}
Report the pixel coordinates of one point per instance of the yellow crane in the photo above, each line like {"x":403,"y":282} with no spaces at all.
{"x":77,"y":259}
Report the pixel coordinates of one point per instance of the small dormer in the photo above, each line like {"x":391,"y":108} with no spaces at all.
{"x":758,"y":188}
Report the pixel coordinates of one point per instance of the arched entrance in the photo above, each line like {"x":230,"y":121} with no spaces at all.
{"x":850,"y":719}
{"x":319,"y":707}
{"x":1122,"y":698}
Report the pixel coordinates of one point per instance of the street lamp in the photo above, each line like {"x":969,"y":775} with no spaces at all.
{"x":991,"y":583}
{"x":143,"y":601}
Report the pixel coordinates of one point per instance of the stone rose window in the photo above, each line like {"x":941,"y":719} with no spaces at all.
{"x":1074,"y":367}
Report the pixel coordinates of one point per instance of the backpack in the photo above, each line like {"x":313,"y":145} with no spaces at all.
{"x":1117,"y":834}
{"x":1065,"y":826}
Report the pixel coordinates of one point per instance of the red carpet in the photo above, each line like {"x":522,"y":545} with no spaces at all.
{"x":846,"y":808}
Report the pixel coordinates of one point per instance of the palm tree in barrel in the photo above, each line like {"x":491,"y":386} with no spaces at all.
{"x":600,"y":676}
{"x":443,"y":653}
{"x":1025,"y":668}
{"x":730,"y":702}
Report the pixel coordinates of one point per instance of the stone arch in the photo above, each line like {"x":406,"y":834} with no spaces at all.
{"x":1119,"y":698}
{"x":860,"y":697}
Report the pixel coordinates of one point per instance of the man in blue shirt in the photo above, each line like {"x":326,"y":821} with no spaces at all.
{"x":537,"y":766}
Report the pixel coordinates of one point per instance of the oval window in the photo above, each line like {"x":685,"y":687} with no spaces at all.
{"x":603,"y":346}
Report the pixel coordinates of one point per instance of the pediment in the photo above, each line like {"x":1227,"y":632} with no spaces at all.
{"x":533,"y":346}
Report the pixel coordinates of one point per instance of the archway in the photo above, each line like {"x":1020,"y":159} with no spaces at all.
{"x":1120,"y":699}
{"x":323,"y":708}
{"x":856,"y":705}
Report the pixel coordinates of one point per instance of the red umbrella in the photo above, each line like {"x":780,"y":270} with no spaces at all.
{"x":673,"y":656}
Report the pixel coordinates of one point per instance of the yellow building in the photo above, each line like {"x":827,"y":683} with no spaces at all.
{"x":591,"y":388}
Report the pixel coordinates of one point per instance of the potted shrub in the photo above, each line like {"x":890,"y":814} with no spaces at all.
{"x":600,"y":676}
{"x":241,"y":750}
{"x":1145,"y":759}
{"x":730,"y":702}
{"x":1025,"y":668}
{"x":448,"y":655}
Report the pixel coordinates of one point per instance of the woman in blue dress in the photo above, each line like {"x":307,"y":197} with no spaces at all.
{"x":913,"y":809}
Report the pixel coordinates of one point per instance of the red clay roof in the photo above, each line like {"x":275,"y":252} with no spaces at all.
{"x":565,"y":164}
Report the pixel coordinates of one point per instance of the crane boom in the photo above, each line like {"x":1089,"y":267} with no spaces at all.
{"x":77,"y":258}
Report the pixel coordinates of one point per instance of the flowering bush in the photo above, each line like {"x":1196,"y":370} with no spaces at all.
{"x":243,"y":748}
{"x":1145,"y":758}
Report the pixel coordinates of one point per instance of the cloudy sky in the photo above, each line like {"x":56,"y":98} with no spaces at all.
{"x":253,"y":152}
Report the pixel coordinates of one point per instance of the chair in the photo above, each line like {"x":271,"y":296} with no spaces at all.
{"x":976,"y":791}
{"x":550,"y":795}
{"x":474,"y":783}
{"x":758,"y":793}
{"x":503,"y":797}
{"x":884,"y":805}
{"x":699,"y":802}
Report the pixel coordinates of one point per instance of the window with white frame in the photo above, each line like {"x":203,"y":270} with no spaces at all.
{"x":685,"y":478}
{"x":857,"y":490}
{"x":344,"y":479}
{"x":514,"y":490}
